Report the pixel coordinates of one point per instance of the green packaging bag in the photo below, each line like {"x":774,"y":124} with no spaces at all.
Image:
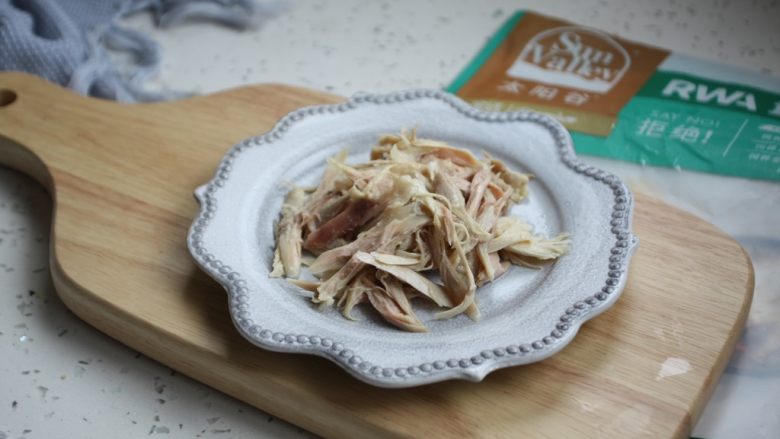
{"x":630,"y":101}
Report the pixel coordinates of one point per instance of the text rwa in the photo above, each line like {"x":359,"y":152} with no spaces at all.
{"x":702,"y":93}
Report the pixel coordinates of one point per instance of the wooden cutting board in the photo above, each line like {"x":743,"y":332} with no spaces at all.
{"x":122,"y":178}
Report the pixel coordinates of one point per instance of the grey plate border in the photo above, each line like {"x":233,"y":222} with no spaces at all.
{"x":483,"y":361}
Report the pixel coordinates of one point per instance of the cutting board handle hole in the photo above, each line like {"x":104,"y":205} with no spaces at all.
{"x":7,"y":97}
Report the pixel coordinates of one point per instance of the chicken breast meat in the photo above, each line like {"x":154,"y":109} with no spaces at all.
{"x":375,"y":232}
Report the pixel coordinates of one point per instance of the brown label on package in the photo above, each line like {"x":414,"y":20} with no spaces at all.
{"x":581,"y":76}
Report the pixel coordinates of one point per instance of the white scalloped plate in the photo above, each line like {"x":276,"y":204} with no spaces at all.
{"x":527,"y":315}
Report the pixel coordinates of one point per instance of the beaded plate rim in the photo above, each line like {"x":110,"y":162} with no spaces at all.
{"x":473,"y":368}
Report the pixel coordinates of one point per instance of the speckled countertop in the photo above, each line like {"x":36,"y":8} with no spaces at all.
{"x":61,"y":378}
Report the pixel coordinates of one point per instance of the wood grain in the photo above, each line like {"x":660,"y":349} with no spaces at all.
{"x":122,"y":178}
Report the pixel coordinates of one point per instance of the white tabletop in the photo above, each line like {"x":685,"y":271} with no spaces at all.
{"x":61,"y":378}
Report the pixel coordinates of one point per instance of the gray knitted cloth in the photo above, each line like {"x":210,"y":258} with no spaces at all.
{"x":68,"y":41}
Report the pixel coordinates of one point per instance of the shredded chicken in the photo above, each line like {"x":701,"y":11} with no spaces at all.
{"x":377,"y":230}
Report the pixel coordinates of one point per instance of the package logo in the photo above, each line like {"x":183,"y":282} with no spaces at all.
{"x":572,"y":57}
